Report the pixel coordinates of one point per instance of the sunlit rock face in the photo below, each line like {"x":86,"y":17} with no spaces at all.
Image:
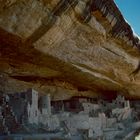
{"x":68,"y":48}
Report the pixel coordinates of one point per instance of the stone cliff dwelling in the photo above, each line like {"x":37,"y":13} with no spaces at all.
{"x":69,"y":70}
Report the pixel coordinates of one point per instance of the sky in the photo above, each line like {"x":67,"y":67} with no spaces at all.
{"x":131,"y":12}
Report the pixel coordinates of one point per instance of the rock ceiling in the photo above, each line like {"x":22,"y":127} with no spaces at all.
{"x":82,"y":46}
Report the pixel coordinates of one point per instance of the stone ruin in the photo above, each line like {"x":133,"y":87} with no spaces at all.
{"x":69,"y":48}
{"x":81,"y":117}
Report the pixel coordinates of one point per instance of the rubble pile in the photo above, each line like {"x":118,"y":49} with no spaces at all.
{"x":7,"y":117}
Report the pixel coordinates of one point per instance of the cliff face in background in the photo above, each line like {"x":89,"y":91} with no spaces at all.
{"x":67,"y":48}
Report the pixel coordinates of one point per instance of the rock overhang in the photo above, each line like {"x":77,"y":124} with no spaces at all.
{"x":84,"y":43}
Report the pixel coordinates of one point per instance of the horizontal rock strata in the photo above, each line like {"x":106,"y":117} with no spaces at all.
{"x":85,"y":43}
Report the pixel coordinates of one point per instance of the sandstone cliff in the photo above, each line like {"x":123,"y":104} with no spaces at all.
{"x":67,"y":48}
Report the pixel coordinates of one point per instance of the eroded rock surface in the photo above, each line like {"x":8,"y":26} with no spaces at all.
{"x":81,"y":44}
